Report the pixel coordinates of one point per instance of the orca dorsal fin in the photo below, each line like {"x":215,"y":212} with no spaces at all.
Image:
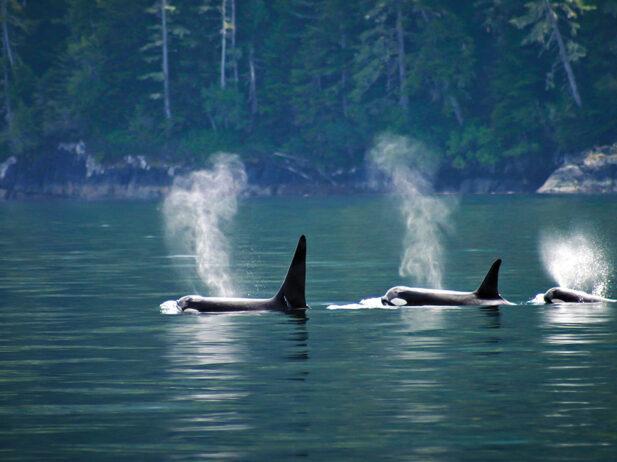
{"x":488,"y":290}
{"x":291,"y":293}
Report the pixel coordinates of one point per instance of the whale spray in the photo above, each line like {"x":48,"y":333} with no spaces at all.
{"x":196,"y":211}
{"x":575,"y":261}
{"x":409,"y":167}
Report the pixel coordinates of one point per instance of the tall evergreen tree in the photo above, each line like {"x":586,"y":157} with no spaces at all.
{"x":13,"y":24}
{"x":442,"y":59}
{"x":321,"y":77}
{"x":318,"y":77}
{"x":252,"y":17}
{"x":380,"y":60}
{"x":158,"y":50}
{"x":542,"y":19}
{"x":223,"y":103}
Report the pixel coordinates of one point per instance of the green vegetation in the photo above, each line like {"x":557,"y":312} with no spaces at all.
{"x":484,"y":83}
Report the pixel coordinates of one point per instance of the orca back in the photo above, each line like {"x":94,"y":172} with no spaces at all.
{"x":489,"y":290}
{"x":292,"y":292}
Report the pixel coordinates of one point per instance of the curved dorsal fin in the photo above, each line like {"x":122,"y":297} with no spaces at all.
{"x":291,"y":292}
{"x":488,"y":289}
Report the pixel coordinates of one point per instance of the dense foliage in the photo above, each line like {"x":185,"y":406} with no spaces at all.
{"x":485,"y":83}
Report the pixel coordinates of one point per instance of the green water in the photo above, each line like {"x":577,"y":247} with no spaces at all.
{"x":91,"y":370}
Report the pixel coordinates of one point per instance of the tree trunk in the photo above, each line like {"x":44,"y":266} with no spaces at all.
{"x":563,"y":54}
{"x":8,"y":56}
{"x":233,"y":40}
{"x":212,"y":122}
{"x":5,"y":34}
{"x":7,"y":98}
{"x":223,"y":41}
{"x":253,"y":82}
{"x":252,"y":88}
{"x":344,"y":78}
{"x":457,"y":110}
{"x":166,"y":102}
{"x":403,"y":98}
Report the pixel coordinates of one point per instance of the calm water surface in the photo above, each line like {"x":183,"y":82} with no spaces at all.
{"x":91,"y":370}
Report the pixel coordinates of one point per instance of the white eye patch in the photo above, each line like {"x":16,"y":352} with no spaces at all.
{"x":398,"y":301}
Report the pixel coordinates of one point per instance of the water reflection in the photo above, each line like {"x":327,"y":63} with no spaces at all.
{"x":298,"y":338}
{"x":219,"y":391}
{"x":203,"y":341}
{"x":422,"y":349}
{"x":424,"y":318}
{"x":422,"y":325}
{"x":579,"y":389}
{"x":493,"y":316}
{"x":453,"y":358}
{"x":567,"y":314}
{"x":571,"y":328}
{"x":418,"y":319}
{"x":494,"y":337}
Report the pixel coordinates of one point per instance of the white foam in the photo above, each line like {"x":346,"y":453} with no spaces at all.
{"x":537,"y":300}
{"x":367,"y":303}
{"x":170,"y":307}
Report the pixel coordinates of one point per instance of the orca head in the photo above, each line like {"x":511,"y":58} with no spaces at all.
{"x":393,"y":297}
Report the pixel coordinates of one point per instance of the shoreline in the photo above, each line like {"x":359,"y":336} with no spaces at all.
{"x":69,"y":173}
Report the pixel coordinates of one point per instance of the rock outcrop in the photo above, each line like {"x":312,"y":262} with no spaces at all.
{"x":70,"y":172}
{"x":594,"y":172}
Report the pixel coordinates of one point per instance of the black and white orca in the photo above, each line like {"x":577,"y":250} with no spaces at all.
{"x":290,"y":297}
{"x":563,"y":295}
{"x":486,"y":295}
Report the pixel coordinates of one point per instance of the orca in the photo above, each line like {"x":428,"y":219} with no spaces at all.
{"x":486,"y":295}
{"x":563,"y":295}
{"x":290,"y":298}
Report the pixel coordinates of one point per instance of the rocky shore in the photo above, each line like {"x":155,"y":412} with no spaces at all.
{"x":70,"y":172}
{"x":592,"y":172}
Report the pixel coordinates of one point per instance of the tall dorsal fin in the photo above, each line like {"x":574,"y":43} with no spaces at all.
{"x":291,"y":292}
{"x":488,"y":290}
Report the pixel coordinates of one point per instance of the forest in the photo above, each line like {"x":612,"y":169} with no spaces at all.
{"x":488,"y":85}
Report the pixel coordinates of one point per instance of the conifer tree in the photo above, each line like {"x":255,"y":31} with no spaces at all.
{"x":158,"y":49}
{"x":542,"y":20}
{"x":12,"y":25}
{"x":442,"y":59}
{"x":380,"y":59}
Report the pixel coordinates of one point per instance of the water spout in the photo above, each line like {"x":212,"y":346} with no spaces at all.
{"x":195,"y":212}
{"x":409,"y":166}
{"x":575,"y":261}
